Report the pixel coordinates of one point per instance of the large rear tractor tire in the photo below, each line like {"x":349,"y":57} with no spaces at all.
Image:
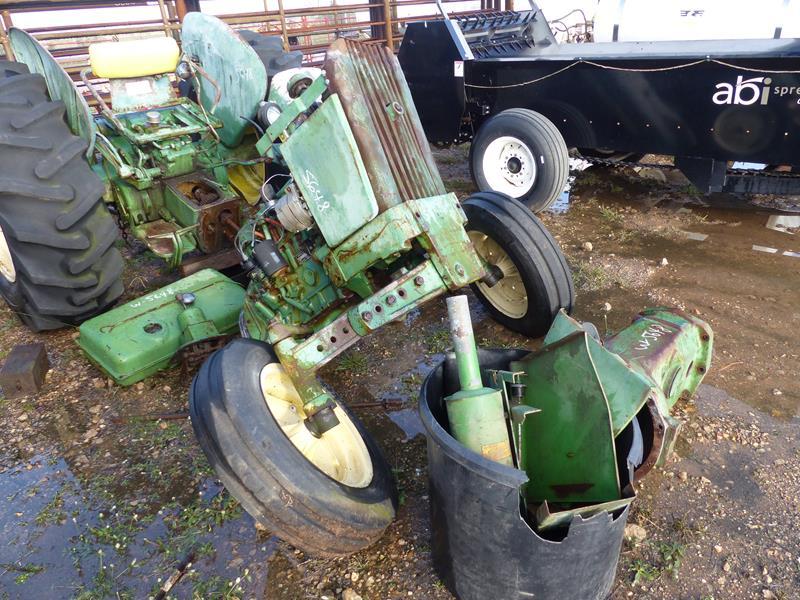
{"x":330,"y":496}
{"x":536,"y":280}
{"x":58,"y":263}
{"x":520,"y":153}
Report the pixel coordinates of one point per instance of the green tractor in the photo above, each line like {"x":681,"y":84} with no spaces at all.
{"x":319,"y":182}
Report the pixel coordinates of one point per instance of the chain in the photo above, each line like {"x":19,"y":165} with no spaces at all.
{"x":123,"y":230}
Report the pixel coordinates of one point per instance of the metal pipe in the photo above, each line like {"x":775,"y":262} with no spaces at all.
{"x":469,"y":371}
{"x":387,"y":15}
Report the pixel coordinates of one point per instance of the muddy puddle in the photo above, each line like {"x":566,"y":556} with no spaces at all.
{"x":97,"y":504}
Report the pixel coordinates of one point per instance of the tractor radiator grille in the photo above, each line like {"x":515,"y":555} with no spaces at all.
{"x":384,"y":121}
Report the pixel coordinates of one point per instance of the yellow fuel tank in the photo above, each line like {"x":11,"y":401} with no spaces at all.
{"x":134,"y":58}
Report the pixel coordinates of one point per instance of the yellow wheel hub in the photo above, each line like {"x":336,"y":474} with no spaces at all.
{"x":7,"y":269}
{"x":340,"y":453}
{"x":507,"y":295}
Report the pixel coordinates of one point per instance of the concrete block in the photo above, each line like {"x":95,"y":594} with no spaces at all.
{"x":24,"y":370}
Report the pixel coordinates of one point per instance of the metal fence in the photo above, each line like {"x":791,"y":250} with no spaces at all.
{"x":307,"y":28}
{"x":67,"y":28}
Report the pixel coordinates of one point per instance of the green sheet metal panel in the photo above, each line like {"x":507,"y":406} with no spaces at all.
{"x":233,"y":64}
{"x":133,"y":341}
{"x":568,"y":449}
{"x":59,"y":84}
{"x":626,"y":389}
{"x":332,"y":178}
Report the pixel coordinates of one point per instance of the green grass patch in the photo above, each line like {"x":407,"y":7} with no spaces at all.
{"x":352,"y":362}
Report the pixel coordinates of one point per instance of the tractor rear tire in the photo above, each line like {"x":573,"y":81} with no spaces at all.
{"x":58,"y":263}
{"x":537,"y":281}
{"x":520,"y":153}
{"x":267,"y":473}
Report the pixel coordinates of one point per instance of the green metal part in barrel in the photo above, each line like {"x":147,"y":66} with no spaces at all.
{"x":178,"y":174}
{"x":589,"y":418}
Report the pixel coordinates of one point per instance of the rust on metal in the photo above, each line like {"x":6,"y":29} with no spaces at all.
{"x":379,"y":108}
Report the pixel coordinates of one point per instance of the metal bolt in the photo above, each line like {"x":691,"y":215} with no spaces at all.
{"x":367,"y":316}
{"x":419,"y":280}
{"x":390,"y":300}
{"x":460,"y":270}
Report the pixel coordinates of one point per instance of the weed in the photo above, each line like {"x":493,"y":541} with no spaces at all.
{"x":687,"y":531}
{"x":353,"y":362}
{"x":104,"y":585}
{"x":671,"y":554}
{"x":53,"y":511}
{"x":589,"y":277}
{"x":24,"y":571}
{"x":411,"y":384}
{"x":623,"y":236}
{"x":610,"y":215}
{"x":644,"y":571}
{"x":438,"y":341}
{"x":691,"y":190}
{"x":486,"y":342}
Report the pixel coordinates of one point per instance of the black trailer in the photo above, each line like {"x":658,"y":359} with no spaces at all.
{"x":502,"y":81}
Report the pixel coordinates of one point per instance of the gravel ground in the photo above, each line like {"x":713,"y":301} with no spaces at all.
{"x":98,"y":502}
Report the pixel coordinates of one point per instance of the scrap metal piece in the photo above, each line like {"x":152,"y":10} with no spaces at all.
{"x":228,"y":59}
{"x":549,"y":519}
{"x":137,"y":339}
{"x":568,"y":449}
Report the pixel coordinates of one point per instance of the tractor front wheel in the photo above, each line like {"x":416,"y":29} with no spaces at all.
{"x":58,"y":263}
{"x":330,"y":495}
{"x":535,"y":281}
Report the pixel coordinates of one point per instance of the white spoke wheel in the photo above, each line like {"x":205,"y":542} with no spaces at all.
{"x":507,"y":295}
{"x":536,"y":281}
{"x":520,"y":153}
{"x":340,"y":452}
{"x":509,"y":166}
{"x":330,"y":496}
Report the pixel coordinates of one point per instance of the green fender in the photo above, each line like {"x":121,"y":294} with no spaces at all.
{"x":59,"y":84}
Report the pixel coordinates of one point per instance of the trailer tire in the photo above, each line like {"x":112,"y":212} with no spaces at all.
{"x":269,"y":475}
{"x":507,"y":235}
{"x":520,"y":153}
{"x":58,"y":263}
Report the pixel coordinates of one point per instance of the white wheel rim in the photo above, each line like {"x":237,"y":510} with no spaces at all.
{"x":7,"y":269}
{"x":507,"y":295}
{"x":340,"y":452}
{"x":509,"y":166}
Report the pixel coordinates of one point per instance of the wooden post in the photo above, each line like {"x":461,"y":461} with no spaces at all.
{"x":387,"y":17}
{"x":5,"y":25}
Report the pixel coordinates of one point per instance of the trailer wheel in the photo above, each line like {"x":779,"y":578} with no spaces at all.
{"x":58,"y":263}
{"x":330,"y":496}
{"x":536,"y":281}
{"x":520,"y":153}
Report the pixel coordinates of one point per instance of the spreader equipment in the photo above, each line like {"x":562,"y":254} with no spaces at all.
{"x":501,"y":81}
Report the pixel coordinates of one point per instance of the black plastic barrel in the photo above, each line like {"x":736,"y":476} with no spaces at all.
{"x":482,"y":547}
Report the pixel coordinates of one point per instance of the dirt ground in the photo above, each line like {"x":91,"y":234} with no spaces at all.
{"x":99,"y":502}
